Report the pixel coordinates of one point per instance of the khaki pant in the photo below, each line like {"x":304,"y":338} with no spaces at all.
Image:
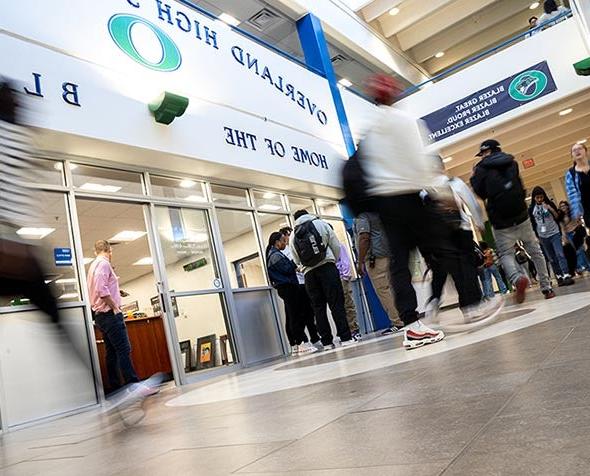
{"x":380,"y":279}
{"x":349,"y":306}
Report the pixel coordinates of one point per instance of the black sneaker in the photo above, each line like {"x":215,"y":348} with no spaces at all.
{"x":568,"y":280}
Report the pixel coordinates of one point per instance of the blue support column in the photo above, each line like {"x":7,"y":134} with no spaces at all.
{"x":317,"y":56}
{"x":315,"y":49}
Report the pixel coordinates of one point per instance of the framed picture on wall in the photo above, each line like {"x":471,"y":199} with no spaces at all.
{"x":187,"y":354}
{"x":206,"y":352}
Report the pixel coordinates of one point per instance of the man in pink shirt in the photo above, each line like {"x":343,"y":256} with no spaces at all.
{"x":105,"y":299}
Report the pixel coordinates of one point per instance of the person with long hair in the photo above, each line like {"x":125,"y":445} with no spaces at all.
{"x":552,"y":11}
{"x":577,"y":183}
{"x":574,"y":232}
{"x":283,"y":277}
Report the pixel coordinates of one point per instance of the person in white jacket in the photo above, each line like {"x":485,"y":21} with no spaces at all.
{"x":398,"y":168}
{"x":316,"y":248}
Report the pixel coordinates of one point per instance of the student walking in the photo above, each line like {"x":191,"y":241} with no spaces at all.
{"x":496,"y":180}
{"x":490,"y":269}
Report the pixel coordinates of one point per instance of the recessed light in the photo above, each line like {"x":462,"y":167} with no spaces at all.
{"x":68,"y":296}
{"x":269,"y":207}
{"x":98,"y":187}
{"x":187,"y":183}
{"x":583,"y":141}
{"x":440,"y":54}
{"x":34,"y":233}
{"x":127,"y":235}
{"x":394,"y":11}
{"x":447,"y":160}
{"x":565,"y":112}
{"x":534,"y":5}
{"x":147,"y":261}
{"x":345,"y":82}
{"x":233,"y":21}
{"x":269,"y":195}
{"x":196,"y":198}
{"x":66,"y":281}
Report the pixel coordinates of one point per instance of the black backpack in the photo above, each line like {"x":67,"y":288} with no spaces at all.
{"x":356,"y":186}
{"x":308,"y":244}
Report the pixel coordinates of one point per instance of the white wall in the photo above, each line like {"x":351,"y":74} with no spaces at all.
{"x":560,"y":45}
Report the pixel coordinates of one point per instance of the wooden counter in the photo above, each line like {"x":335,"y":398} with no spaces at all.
{"x":149,"y":350}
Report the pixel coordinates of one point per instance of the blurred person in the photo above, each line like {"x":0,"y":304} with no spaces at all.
{"x":374,"y":260}
{"x":545,"y":218}
{"x":490,"y":269}
{"x":551,"y":11}
{"x":533,"y":23}
{"x":577,"y":183}
{"x":397,"y":168}
{"x":304,"y":301}
{"x":283,"y":277}
{"x":105,"y":301}
{"x":346,"y":274}
{"x":316,"y":248}
{"x":575,"y":232}
{"x":496,"y":180}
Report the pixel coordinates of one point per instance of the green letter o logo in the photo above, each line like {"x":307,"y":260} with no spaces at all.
{"x":528,"y":85}
{"x":120,"y":26}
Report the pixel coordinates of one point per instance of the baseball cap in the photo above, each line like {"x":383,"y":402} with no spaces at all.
{"x":487,"y":145}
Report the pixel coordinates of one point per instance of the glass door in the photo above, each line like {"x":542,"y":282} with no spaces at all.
{"x":192,"y":289}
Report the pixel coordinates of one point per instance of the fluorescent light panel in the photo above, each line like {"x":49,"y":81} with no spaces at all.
{"x":565,"y":112}
{"x":128,"y":235}
{"x":440,"y":54}
{"x":98,"y":187}
{"x":187,"y":183}
{"x":447,"y":160}
{"x":196,"y":198}
{"x":34,"y":233}
{"x":66,"y":281}
{"x":534,"y":5}
{"x":147,"y":261}
{"x":345,"y":82}
{"x":270,"y":207}
{"x":233,"y":21}
{"x":394,"y":11}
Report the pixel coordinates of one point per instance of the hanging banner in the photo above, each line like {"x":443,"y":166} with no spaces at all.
{"x":493,"y":101}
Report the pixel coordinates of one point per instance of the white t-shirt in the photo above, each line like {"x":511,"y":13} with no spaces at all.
{"x":546,"y":17}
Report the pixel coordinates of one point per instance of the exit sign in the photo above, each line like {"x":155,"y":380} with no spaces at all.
{"x":528,"y":163}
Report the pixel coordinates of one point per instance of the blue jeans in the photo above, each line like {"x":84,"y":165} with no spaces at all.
{"x":582,"y":260}
{"x":488,"y":288}
{"x":554,"y":251}
{"x":118,"y":348}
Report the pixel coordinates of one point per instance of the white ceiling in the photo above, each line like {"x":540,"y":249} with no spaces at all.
{"x":459,"y":28}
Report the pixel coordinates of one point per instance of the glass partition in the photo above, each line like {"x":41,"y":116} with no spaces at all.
{"x":98,"y":179}
{"x":229,"y":196}
{"x":185,"y":189}
{"x":269,"y":201}
{"x":298,"y":203}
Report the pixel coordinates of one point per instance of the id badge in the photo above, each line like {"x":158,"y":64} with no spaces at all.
{"x":543,"y":228}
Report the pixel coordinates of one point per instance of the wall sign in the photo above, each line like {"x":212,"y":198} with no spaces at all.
{"x":528,"y":163}
{"x":495,"y":100}
{"x":62,"y":256}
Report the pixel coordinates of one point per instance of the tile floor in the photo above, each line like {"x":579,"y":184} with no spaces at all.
{"x":513,"y":398}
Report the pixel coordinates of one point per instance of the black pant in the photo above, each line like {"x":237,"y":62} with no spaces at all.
{"x":294,"y":323}
{"x":463,"y":239}
{"x":307,"y":314}
{"x":409,"y":224}
{"x":324,"y":287}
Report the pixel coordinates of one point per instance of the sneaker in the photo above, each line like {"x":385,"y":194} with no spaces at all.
{"x":431,"y":311}
{"x":294,"y":350}
{"x":307,"y":348}
{"x":567,"y":280}
{"x":329,"y":347}
{"x":357,"y":336}
{"x":388,"y":331}
{"x":417,"y":334}
{"x":549,"y":293}
{"x":521,"y":286}
{"x":347,"y":343}
{"x":485,"y":310}
{"x":318,"y":345}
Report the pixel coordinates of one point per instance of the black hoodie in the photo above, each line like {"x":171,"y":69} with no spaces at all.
{"x":496,"y":181}
{"x":541,"y":191}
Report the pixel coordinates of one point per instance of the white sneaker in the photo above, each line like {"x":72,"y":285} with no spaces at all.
{"x":431,"y":312}
{"x":318,"y":345}
{"x":307,"y":348}
{"x":347,"y":343}
{"x":417,"y":335}
{"x":294,"y":350}
{"x":485,"y":310}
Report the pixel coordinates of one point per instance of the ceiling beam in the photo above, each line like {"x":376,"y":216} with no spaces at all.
{"x":462,"y":31}
{"x":411,"y":11}
{"x":377,"y":8}
{"x":444,"y":18}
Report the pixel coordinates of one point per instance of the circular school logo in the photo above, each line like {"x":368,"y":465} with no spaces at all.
{"x":528,"y":85}
{"x":120,"y":28}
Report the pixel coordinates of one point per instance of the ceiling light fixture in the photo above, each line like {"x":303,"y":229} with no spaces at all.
{"x":565,"y":112}
{"x":66,"y":281}
{"x":269,"y":195}
{"x":187,"y":183}
{"x":233,"y":21}
{"x":447,"y":160}
{"x":534,"y":5}
{"x":34,"y":233}
{"x":440,"y":54}
{"x":147,"y":261}
{"x":394,"y":11}
{"x":583,"y":141}
{"x":98,"y":187}
{"x":127,"y":235}
{"x":196,"y":198}
{"x":345,"y":82}
{"x":269,"y":207}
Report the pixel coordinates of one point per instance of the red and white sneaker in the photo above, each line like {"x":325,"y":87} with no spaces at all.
{"x":417,"y":335}
{"x":521,"y":286}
